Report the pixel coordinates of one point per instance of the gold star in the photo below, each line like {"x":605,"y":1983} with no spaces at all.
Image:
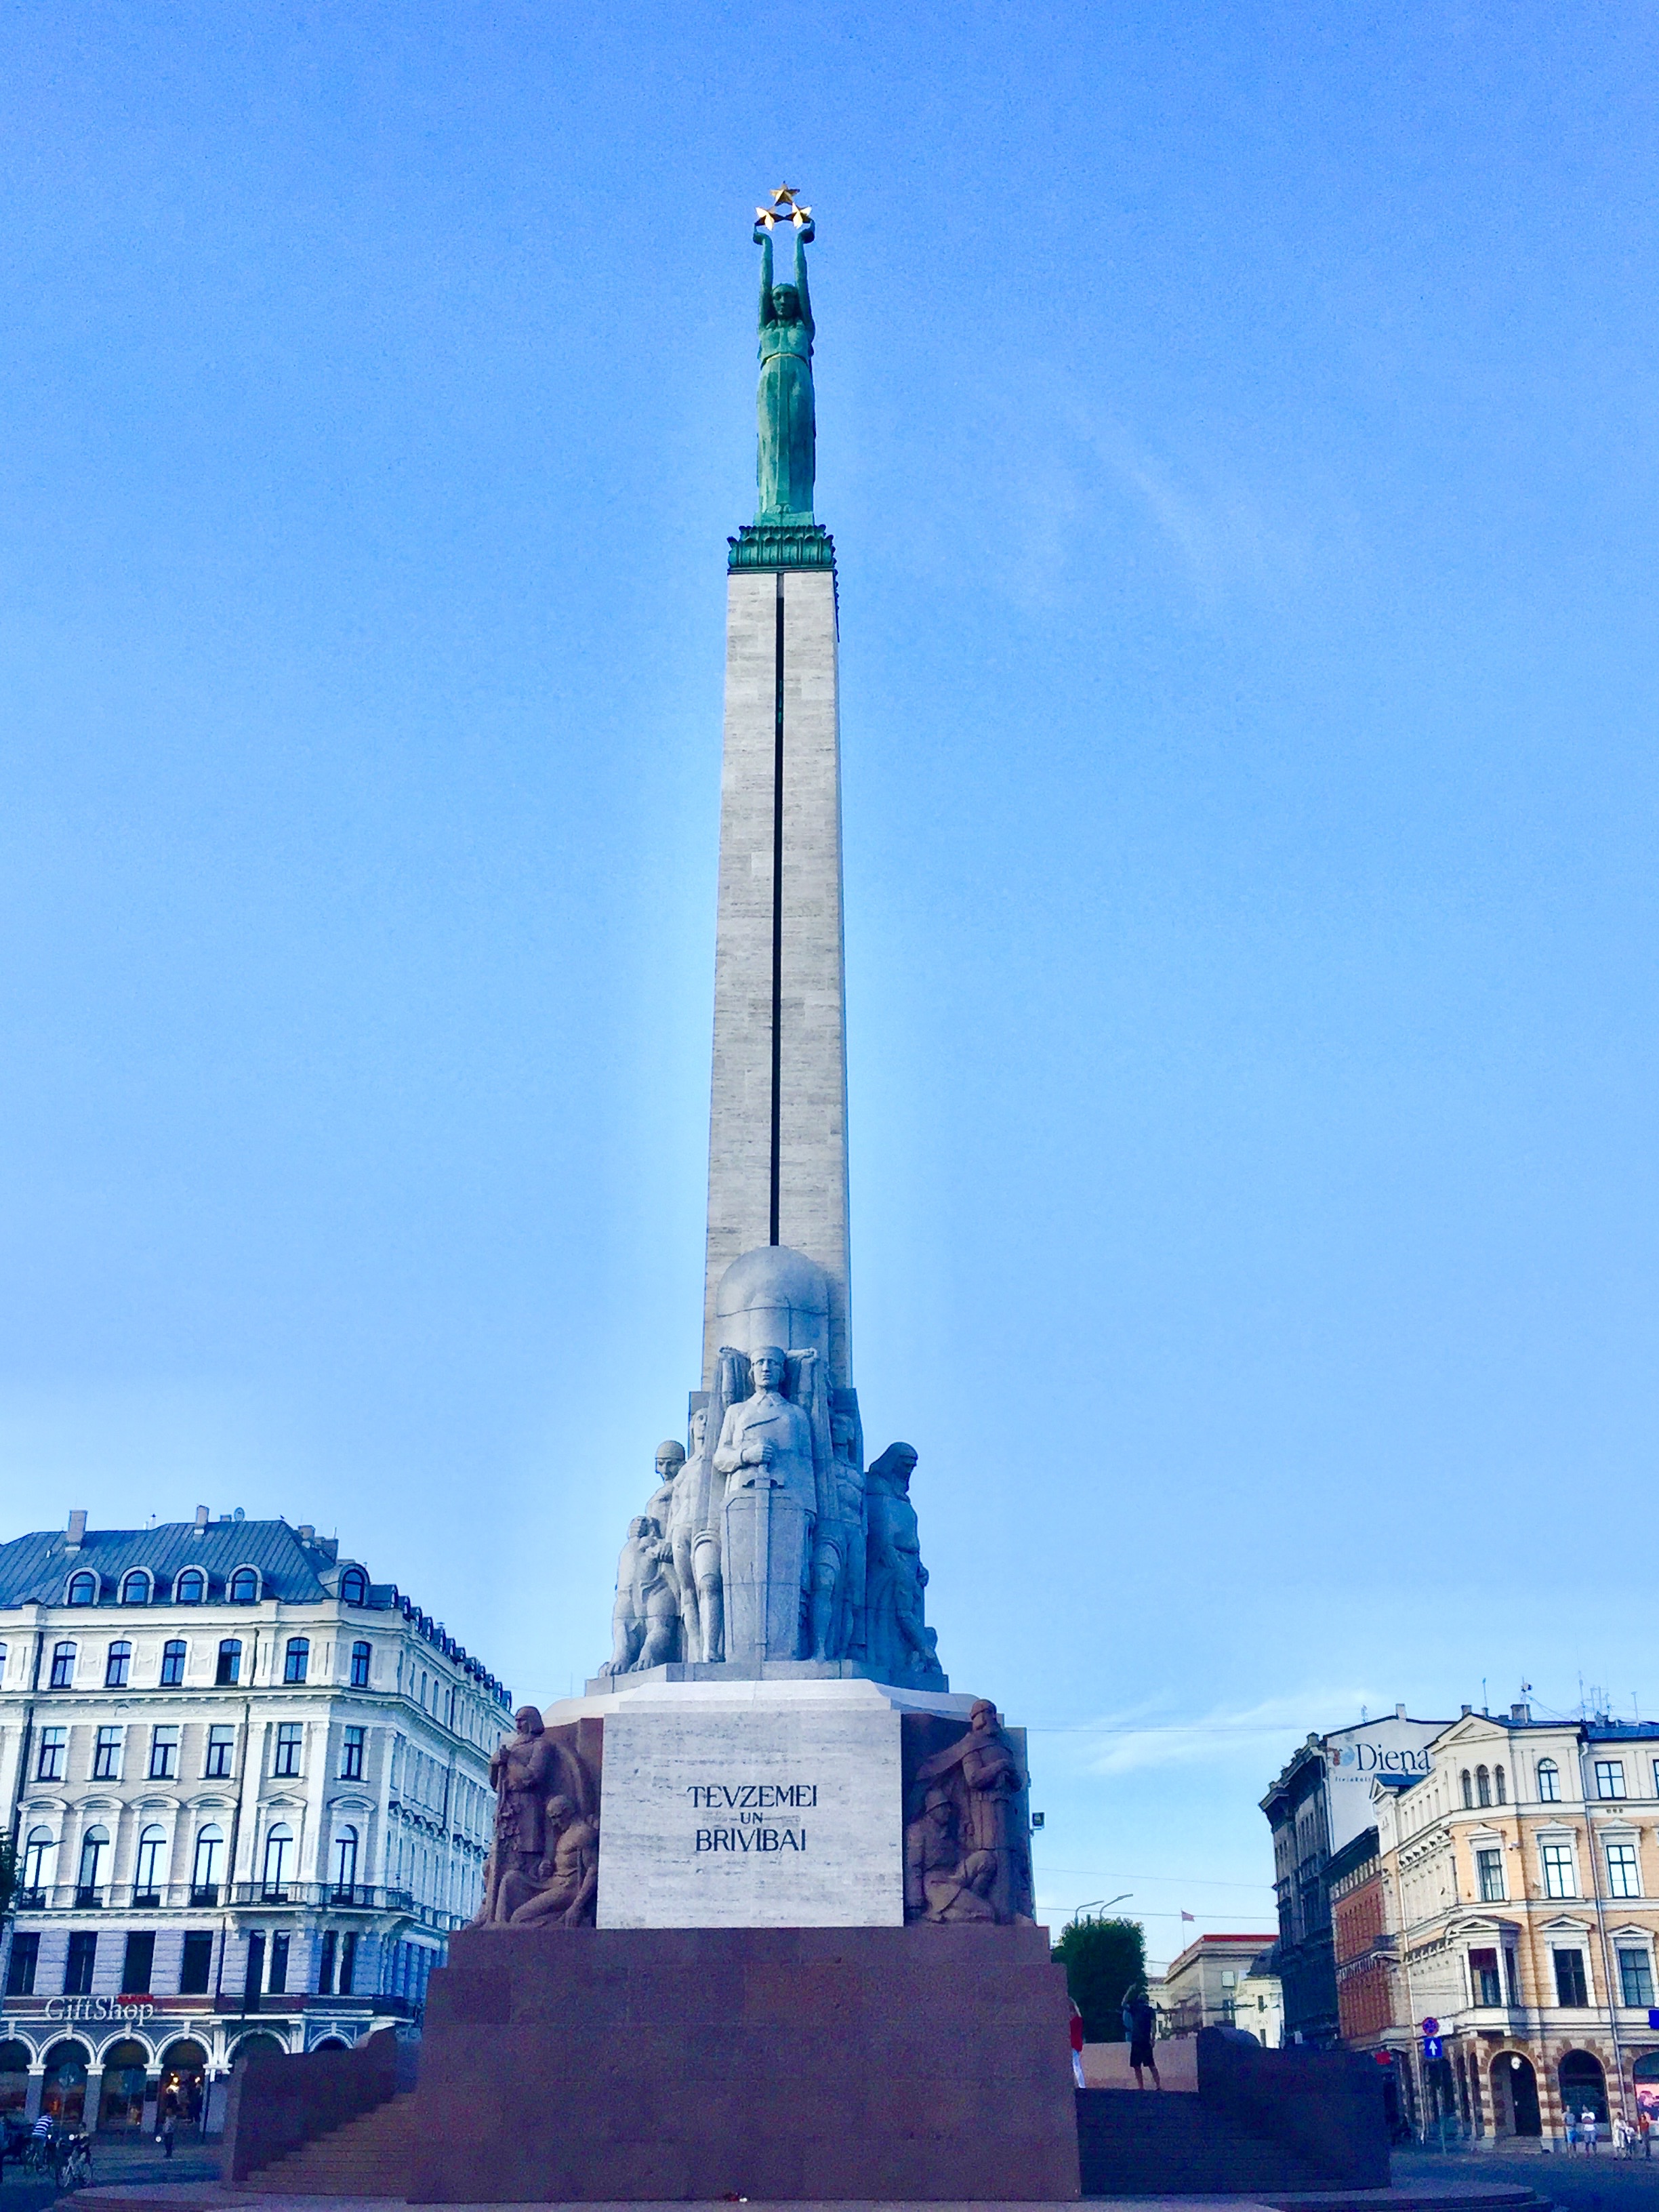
{"x":783,"y":200}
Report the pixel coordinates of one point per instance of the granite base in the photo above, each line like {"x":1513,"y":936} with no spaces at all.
{"x":635,"y":2064}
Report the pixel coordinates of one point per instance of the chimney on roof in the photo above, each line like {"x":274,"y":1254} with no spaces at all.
{"x":1399,"y":1712}
{"x":305,"y":1531}
{"x":1468,"y":1710}
{"x":77,"y":1529}
{"x":201,"y":1518}
{"x":1521,"y":1712}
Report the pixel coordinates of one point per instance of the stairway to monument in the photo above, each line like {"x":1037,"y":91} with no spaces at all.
{"x":369,"y":2156}
{"x":1142,"y":2142}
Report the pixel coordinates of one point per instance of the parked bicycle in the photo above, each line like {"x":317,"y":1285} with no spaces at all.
{"x":74,"y":2161}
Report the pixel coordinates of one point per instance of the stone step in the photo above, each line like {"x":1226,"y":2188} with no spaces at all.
{"x":368,"y":2156}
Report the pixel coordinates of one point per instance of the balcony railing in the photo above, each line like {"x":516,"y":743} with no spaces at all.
{"x":340,"y":1897}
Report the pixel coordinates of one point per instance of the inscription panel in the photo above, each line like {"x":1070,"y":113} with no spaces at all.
{"x":742,"y":1817}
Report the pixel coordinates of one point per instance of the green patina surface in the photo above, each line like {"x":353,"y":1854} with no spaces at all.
{"x":782,"y":545}
{"x":783,"y":534}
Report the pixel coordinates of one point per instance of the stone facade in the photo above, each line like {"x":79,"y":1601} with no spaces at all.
{"x":251,"y":1791}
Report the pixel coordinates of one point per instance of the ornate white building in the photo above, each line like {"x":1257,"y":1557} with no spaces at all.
{"x":249,"y":1789}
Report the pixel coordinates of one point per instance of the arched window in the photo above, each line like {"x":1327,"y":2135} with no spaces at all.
{"x":1549,"y":1781}
{"x":191,"y":1589}
{"x":173,"y":1662}
{"x":135,"y":1588}
{"x":37,"y":1857}
{"x":354,"y":1587}
{"x":83,"y":1589}
{"x":244,"y":1587}
{"x":147,"y":1870}
{"x":1483,"y":1785}
{"x":63,"y":1666}
{"x":1502,"y":1786}
{"x":1468,"y":1788}
{"x":118,"y":1666}
{"x":94,"y":1844}
{"x":296,"y":1659}
{"x":279,"y":1854}
{"x":204,"y":1868}
{"x":345,"y":1862}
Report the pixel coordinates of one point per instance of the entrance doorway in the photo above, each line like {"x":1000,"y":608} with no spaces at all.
{"x":121,"y":2100}
{"x":184,"y":2078}
{"x":1514,"y":2091}
{"x":1645,"y":2073}
{"x":1584,"y":2084}
{"x":64,"y":2092}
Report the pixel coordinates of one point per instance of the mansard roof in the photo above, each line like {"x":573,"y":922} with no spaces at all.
{"x":35,"y":1569}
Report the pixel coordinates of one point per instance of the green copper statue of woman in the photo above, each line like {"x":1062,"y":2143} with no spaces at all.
{"x":789,"y":434}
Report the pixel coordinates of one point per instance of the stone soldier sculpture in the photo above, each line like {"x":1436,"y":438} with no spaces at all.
{"x":898,"y":1641}
{"x":520,"y":1771}
{"x":766,"y":1453}
{"x":670,"y":1458}
{"x":839,"y":1552}
{"x":987,"y":1786}
{"x":940,"y":1881}
{"x":694,"y":1538}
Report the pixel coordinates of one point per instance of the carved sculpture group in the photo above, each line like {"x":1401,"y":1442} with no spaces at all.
{"x":771,"y":1539}
{"x":967,"y":1841}
{"x":544,"y":1864}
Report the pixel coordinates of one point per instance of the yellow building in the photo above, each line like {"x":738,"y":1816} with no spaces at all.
{"x":1519,"y":1908}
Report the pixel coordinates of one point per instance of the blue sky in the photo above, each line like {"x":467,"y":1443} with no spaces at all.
{"x":1238,"y":428}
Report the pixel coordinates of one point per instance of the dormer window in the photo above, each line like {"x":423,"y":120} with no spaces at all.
{"x":354,"y":1587}
{"x":191,"y":1589}
{"x":244,"y":1587}
{"x":135,"y":1588}
{"x":83,"y":1589}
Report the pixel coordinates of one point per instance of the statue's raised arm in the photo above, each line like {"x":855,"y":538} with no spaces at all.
{"x":801,"y":237}
{"x":786,"y":460}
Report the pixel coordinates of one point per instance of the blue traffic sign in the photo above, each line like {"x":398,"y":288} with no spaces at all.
{"x":1432,"y":2046}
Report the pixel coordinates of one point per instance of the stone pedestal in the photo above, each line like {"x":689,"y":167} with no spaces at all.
{"x":594,"y":2065}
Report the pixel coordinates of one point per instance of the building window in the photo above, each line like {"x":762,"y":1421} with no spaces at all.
{"x":348,"y":1961}
{"x":196,"y":1968}
{"x":1635,"y":1976}
{"x":354,"y":1587}
{"x":173,"y":1664}
{"x":1469,"y":1789}
{"x":83,"y":1590}
{"x":1549,"y":1781}
{"x":360,"y":1666}
{"x":1501,"y":1785}
{"x":229,"y":1671}
{"x":1489,"y":1865}
{"x":205,"y":1867}
{"x":1624,"y":1876}
{"x":244,"y":1587}
{"x":191,"y":1589}
{"x":36,"y":1852}
{"x":1559,"y":1880}
{"x":288,"y":1747}
{"x":1483,"y":1785}
{"x":135,"y":1588}
{"x":351,"y":1756}
{"x":20,"y":1968}
{"x":1609,"y":1777}
{"x":279,"y":1859}
{"x":1656,"y":1777}
{"x":138,"y":1962}
{"x":296,"y":1659}
{"x":277,"y":1979}
{"x":163,"y":1755}
{"x":63,"y":1666}
{"x":54,"y":1745}
{"x":77,"y":1968}
{"x":106,"y":1756}
{"x":220,"y":1745}
{"x":147,"y":1872}
{"x":94,"y":1844}
{"x":325,"y":1964}
{"x":1483,"y":1978}
{"x":346,"y":1862}
{"x":118,"y":1666}
{"x":1570,"y":1988}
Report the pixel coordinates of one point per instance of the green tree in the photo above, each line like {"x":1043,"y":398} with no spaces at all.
{"x":1102,"y":1959}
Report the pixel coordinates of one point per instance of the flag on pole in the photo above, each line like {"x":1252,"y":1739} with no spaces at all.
{"x":1187,"y":1916}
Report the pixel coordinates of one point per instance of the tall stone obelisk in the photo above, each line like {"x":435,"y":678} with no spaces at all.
{"x":777,"y":1139}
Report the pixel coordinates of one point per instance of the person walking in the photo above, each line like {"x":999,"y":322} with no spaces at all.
{"x":1644,"y":2130}
{"x":1077,"y":2046}
{"x":1140,"y":2025}
{"x":169,"y":2129}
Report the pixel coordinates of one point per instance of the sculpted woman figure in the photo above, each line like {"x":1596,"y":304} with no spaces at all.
{"x":788,"y":419}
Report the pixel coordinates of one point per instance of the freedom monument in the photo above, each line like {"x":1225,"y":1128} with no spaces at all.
{"x":759,"y":1919}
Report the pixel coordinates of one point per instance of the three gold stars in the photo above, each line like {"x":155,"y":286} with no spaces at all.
{"x":783,"y":206}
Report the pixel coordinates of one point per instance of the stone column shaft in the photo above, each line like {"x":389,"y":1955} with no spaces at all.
{"x":777,"y":1143}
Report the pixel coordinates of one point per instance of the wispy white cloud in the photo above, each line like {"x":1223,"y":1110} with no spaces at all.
{"x":1138,"y":1736}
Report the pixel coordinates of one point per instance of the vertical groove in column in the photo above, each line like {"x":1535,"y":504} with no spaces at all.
{"x":777,"y":913}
